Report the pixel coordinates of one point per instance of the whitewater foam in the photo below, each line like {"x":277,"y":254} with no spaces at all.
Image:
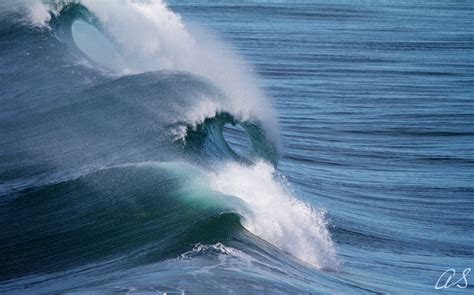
{"x":269,"y":209}
{"x":204,"y":108}
{"x":275,"y":215}
{"x":39,"y":13}
{"x":217,"y":248}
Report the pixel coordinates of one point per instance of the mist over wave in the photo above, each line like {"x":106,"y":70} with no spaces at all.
{"x":147,"y":36}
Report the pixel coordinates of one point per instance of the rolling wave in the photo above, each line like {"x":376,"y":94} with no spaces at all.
{"x":114,"y":152}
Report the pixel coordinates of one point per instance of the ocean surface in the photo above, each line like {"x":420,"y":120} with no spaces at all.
{"x":236,"y":147}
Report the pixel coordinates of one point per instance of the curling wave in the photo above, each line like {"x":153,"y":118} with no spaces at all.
{"x":125,"y":160}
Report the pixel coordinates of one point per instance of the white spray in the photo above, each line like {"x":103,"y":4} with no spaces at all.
{"x":276,"y":215}
{"x":152,"y":37}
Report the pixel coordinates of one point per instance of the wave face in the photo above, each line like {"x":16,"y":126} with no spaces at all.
{"x":115,"y":166}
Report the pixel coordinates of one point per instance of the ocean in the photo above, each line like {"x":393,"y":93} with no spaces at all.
{"x":221,"y":147}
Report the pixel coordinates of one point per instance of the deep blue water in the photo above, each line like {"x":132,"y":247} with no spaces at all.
{"x":375,"y":101}
{"x":115,"y":175}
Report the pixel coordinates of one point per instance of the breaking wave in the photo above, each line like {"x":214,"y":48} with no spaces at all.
{"x":114,"y":116}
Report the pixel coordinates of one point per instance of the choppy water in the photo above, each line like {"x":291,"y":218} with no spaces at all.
{"x":349,"y":169}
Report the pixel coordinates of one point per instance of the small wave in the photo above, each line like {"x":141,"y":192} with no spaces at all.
{"x":208,"y":137}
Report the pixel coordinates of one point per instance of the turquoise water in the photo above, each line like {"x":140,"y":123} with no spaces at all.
{"x":218,"y":147}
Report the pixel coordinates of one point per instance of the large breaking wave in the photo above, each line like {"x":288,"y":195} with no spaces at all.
{"x":113,"y":116}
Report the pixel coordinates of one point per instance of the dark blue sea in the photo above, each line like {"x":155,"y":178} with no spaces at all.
{"x":236,"y":147}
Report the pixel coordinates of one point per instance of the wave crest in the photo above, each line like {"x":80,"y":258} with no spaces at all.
{"x":155,"y":38}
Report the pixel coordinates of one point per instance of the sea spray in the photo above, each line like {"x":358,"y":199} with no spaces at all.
{"x":275,"y":215}
{"x":155,"y":38}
